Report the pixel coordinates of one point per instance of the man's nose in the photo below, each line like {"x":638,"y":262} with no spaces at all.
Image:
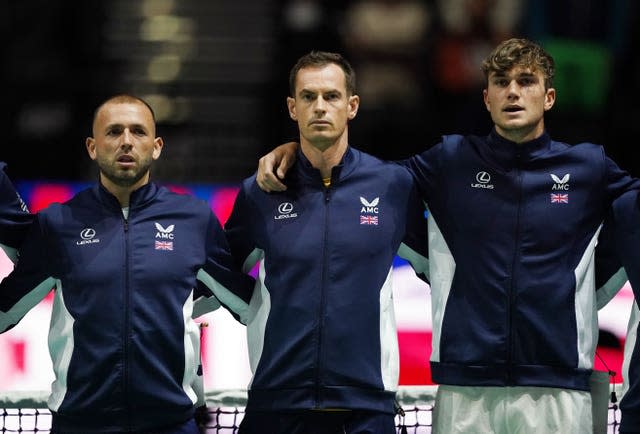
{"x":513,"y":89}
{"x":320,"y":105}
{"x":127,"y":141}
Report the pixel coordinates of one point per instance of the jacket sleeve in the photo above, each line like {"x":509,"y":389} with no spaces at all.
{"x":610,"y":275}
{"x":426,"y":167}
{"x":626,"y":217}
{"x":14,"y":216}
{"x":618,"y":181}
{"x":30,"y":280}
{"x":414,"y":245}
{"x":220,"y":281}
{"x":239,"y":230}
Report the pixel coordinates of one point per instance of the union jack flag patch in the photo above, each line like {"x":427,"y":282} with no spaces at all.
{"x":369,"y":220}
{"x":559,"y":198}
{"x":164,"y":245}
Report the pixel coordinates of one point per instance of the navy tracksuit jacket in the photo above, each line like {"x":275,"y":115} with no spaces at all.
{"x":512,"y":233}
{"x":124,"y":346}
{"x":14,"y":216}
{"x":321,"y":324}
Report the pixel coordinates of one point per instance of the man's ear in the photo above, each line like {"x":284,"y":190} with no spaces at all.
{"x":90,"y":143}
{"x":485,"y":98}
{"x":291,"y":105}
{"x":354,"y":104}
{"x":549,"y":98}
{"x":158,"y":143}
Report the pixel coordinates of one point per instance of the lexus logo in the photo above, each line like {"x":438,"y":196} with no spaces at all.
{"x":482,"y":181}
{"x":285,"y":211}
{"x":285,"y":208}
{"x":483,"y":177}
{"x":87,"y":234}
{"x":88,"y":237}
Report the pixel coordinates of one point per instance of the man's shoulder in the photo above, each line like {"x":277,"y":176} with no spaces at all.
{"x":452,"y":144}
{"x":382,"y":168}
{"x":249,"y":181}
{"x":459,"y":138}
{"x":181,"y":200}
{"x":7,"y":190}
{"x":584,"y":146}
{"x":80,"y":199}
{"x":79,"y":207}
{"x":80,"y":204}
{"x":582,"y":150}
{"x":249,"y":186}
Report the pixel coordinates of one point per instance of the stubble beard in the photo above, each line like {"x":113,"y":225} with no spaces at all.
{"x":124,"y":178}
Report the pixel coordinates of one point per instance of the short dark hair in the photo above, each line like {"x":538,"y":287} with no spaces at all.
{"x":319,"y":59}
{"x":520,"y":52}
{"x":124,"y":98}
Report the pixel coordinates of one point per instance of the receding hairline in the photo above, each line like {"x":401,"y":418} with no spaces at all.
{"x":122,"y":99}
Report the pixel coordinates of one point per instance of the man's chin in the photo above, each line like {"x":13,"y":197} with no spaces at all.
{"x":125,"y":179}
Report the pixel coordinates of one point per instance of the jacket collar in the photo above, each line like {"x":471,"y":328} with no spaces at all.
{"x":305,"y":171}
{"x":508,"y":150}
{"x":139,"y":197}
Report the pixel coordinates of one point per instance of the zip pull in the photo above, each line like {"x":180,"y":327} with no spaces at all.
{"x":612,"y":382}
{"x":202,"y":416}
{"x":400,"y":412}
{"x":614,"y":397}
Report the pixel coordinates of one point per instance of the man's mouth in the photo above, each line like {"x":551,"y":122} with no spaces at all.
{"x":513,"y":109}
{"x":320,"y":122}
{"x":125,"y":159}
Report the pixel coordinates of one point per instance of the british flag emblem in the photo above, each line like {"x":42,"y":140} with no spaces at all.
{"x":369,"y":220}
{"x":559,"y":198}
{"x":164,"y":245}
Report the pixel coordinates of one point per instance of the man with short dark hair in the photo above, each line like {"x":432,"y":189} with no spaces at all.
{"x":130,"y":263}
{"x":321,"y":332}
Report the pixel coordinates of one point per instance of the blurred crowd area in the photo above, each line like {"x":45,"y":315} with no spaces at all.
{"x":217,"y":74}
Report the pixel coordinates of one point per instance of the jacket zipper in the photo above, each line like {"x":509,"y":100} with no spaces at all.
{"x":512,"y":295}
{"x":127,"y":323}
{"x":325,"y":266}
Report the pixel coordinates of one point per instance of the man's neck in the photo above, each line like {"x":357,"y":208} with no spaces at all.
{"x":521,"y":135}
{"x":122,"y":193}
{"x":324,"y":158}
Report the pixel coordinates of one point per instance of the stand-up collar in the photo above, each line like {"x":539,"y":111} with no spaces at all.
{"x":340,"y":171}
{"x":523,"y":151}
{"x":138,"y":197}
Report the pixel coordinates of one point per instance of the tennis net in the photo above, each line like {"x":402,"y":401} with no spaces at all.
{"x":26,"y":412}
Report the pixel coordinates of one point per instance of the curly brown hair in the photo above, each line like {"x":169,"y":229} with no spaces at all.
{"x":520,"y":52}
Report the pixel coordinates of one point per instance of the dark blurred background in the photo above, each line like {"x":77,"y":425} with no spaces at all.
{"x":216,"y":73}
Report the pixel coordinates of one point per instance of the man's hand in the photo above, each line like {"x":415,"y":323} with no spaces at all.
{"x":273,"y":167}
